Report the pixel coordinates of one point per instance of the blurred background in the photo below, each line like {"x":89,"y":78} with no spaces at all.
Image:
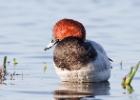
{"x":25,"y":29}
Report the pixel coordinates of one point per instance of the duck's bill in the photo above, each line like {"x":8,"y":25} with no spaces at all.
{"x":51,"y":44}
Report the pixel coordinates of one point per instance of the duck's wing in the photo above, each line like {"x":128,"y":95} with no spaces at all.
{"x":99,"y":48}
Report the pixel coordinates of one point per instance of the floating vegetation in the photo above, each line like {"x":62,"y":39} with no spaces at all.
{"x":15,"y":61}
{"x":126,"y":82}
{"x":3,"y":70}
{"x":4,"y":65}
{"x":12,"y":77}
{"x":1,"y":75}
{"x":45,"y":67}
{"x":121,"y":65}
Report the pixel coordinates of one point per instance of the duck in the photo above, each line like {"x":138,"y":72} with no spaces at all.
{"x":75,"y":58}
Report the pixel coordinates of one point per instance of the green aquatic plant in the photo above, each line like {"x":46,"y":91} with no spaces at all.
{"x":4,"y":65}
{"x":15,"y":61}
{"x":1,"y":75}
{"x":3,"y":70}
{"x":121,"y":65}
{"x":45,"y":67}
{"x":128,"y":78}
{"x":129,"y":89}
{"x":126,"y":82}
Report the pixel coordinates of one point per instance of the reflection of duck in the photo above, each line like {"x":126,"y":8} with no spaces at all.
{"x":77,"y":59}
{"x":75,"y":91}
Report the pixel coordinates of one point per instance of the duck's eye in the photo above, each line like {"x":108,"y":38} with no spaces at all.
{"x":55,"y":41}
{"x":52,"y":41}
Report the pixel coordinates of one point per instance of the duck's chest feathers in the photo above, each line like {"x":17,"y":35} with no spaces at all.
{"x":72,"y":54}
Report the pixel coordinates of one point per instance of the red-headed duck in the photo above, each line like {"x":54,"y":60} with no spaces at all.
{"x":77,"y":59}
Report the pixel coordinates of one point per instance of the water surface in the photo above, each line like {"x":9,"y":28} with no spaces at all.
{"x":25,"y":29}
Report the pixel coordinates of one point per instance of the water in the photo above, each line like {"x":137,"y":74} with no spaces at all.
{"x":25,"y":29}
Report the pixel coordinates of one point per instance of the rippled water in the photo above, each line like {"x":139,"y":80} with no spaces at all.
{"x":25,"y":29}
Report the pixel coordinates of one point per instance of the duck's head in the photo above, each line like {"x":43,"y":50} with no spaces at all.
{"x":65,"y":28}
